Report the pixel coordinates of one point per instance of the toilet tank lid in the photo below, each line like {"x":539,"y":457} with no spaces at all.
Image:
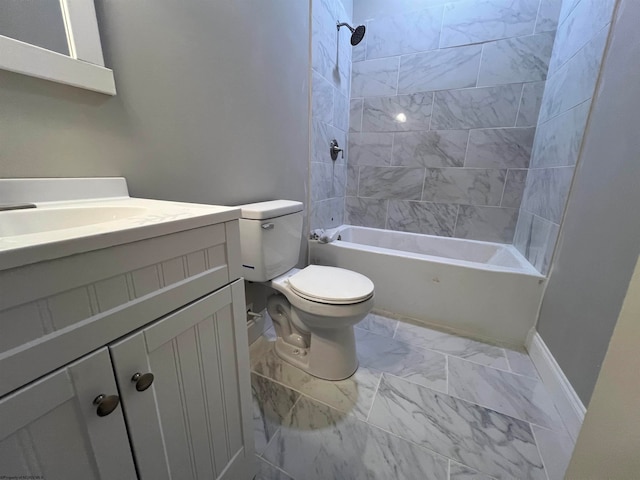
{"x":271,"y":209}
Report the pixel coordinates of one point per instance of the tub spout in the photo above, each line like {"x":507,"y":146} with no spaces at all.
{"x":325,"y":236}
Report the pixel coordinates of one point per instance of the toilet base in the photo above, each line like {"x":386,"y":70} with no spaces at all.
{"x":331,"y":356}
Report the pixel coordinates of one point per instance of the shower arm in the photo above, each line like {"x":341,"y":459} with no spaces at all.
{"x":343,"y":24}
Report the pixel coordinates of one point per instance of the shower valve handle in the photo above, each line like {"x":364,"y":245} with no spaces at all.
{"x":334,"y":149}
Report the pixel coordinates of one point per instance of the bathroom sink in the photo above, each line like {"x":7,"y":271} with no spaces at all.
{"x":83,"y":214}
{"x":39,"y":220}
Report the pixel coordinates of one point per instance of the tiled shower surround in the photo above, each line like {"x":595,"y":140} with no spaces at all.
{"x":573,"y":73}
{"x":444,"y":106}
{"x":330,"y":80}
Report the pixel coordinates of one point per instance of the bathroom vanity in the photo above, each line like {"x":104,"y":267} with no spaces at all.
{"x":123,"y":343}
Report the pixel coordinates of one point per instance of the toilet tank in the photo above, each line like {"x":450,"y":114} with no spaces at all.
{"x":270,"y":236}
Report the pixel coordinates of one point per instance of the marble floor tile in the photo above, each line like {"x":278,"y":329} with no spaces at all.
{"x":319,"y":443}
{"x":556,"y":449}
{"x":414,"y":364}
{"x":458,"y":471}
{"x":353,"y":395}
{"x":259,"y":349}
{"x":379,"y":324}
{"x":493,"y":443}
{"x":271,"y":404}
{"x":514,"y":395}
{"x":266,"y":471}
{"x":521,"y":363}
{"x":478,"y":352}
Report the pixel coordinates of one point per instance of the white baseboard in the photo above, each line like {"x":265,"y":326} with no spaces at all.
{"x":564,"y":396}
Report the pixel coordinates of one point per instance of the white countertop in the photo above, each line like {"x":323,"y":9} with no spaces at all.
{"x":69,"y":229}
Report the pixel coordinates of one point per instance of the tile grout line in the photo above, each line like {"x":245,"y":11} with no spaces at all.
{"x":486,"y":407}
{"x":535,"y":440}
{"x":446,"y":374}
{"x":504,"y":188}
{"x":424,"y":447}
{"x":520,"y":105}
{"x":506,"y":357}
{"x":275,"y":434}
{"x":477,"y":85}
{"x":275,"y":466}
{"x":309,"y":397}
{"x":373,"y":399}
{"x":535,"y":24}
{"x":431,"y":349}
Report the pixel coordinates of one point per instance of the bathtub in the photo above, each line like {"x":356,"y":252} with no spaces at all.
{"x":482,"y":289}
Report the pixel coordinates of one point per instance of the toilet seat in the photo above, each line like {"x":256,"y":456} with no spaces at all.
{"x":331,"y":285}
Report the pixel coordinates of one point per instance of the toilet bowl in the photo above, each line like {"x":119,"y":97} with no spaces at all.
{"x":314,"y":319}
{"x":315,"y":308}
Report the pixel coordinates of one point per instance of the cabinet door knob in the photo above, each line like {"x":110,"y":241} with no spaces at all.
{"x":142,"y":380}
{"x":106,"y":404}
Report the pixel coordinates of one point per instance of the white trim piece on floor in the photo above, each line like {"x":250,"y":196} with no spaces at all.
{"x":571,"y":408}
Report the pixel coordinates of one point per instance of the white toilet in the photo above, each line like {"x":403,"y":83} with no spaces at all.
{"x":317,"y":307}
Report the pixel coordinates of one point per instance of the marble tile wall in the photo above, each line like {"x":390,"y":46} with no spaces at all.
{"x":330,"y":86}
{"x":573,"y":73}
{"x":444,"y":103}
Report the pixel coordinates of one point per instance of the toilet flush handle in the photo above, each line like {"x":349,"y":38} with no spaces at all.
{"x":268,"y":226}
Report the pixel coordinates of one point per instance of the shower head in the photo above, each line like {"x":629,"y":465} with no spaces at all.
{"x":357,"y":34}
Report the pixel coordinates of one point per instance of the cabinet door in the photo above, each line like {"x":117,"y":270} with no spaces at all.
{"x":50,"y":428}
{"x":194,"y":420}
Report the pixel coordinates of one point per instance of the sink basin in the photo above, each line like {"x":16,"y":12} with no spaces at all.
{"x":38,"y":220}
{"x":76,"y":215}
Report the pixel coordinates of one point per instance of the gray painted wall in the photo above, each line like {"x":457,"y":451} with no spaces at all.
{"x":573,"y":73}
{"x":212,"y":105}
{"x":600,"y":238}
{"x":444,"y":105}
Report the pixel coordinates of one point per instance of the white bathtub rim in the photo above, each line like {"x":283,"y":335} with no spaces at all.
{"x":435,"y":259}
{"x":525,"y":268}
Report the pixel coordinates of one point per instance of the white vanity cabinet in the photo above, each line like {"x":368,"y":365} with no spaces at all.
{"x":81,"y":326}
{"x":50,"y":429}
{"x":189,"y":423}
